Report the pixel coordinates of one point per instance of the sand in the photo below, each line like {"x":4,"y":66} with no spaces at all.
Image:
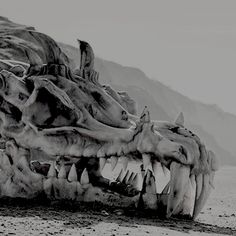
{"x":30,"y":218}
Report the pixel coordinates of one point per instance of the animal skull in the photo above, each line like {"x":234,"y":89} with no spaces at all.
{"x":67,"y":116}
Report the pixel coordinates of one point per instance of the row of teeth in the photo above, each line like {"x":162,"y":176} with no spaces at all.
{"x":67,"y":186}
{"x":193,"y":189}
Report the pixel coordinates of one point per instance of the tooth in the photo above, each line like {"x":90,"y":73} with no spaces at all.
{"x":72,"y":174}
{"x":155,"y":167}
{"x":187,"y":205}
{"x":164,"y":169}
{"x":120,"y":176}
{"x":102,"y":162}
{"x":62,"y":172}
{"x":212,"y":175}
{"x":131,"y":177}
{"x":199,"y":184}
{"x":84,"y":179}
{"x":166,"y":189}
{"x":135,"y":180}
{"x":205,"y":192}
{"x":146,"y":161}
{"x":52,"y":171}
{"x":179,"y":179}
{"x":114,"y":161}
{"x":125,"y":179}
{"x":124,"y":161}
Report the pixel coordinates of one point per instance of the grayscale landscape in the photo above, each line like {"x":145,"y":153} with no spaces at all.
{"x":38,"y":196}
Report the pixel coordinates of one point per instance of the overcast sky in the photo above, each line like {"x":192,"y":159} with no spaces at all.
{"x":188,"y":45}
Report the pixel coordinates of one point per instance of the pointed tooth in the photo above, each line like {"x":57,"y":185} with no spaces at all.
{"x":135,"y":180}
{"x":52,"y":171}
{"x":164,"y":169}
{"x":124,"y":161}
{"x":205,"y":192}
{"x":166,"y":189}
{"x":179,"y":177}
{"x":187,"y":204}
{"x":131,"y":177}
{"x":84,"y":179}
{"x":126,"y":177}
{"x":62,"y":172}
{"x":212,"y":175}
{"x":114,"y":161}
{"x":155,"y":167}
{"x":72,"y":176}
{"x":102,"y":162}
{"x":146,"y":161}
{"x":120,"y":176}
{"x":199,"y":184}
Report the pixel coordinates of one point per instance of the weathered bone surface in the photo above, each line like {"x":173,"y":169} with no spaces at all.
{"x":54,"y":110}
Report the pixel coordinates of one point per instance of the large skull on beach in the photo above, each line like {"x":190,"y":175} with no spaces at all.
{"x":50,"y":108}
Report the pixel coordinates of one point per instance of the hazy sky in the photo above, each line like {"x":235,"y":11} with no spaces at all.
{"x":189,"y":45}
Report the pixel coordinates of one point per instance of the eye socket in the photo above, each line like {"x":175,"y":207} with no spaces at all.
{"x":97,"y":96}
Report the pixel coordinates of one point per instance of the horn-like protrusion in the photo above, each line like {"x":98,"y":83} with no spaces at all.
{"x":86,"y":59}
{"x":205,"y":192}
{"x":179,"y":179}
{"x":84,"y":179}
{"x":180,"y":120}
{"x":102,"y":162}
{"x":114,"y":161}
{"x":52,"y":171}
{"x":145,"y":116}
{"x":124,"y":162}
{"x":72,"y":176}
{"x":62,"y":172}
